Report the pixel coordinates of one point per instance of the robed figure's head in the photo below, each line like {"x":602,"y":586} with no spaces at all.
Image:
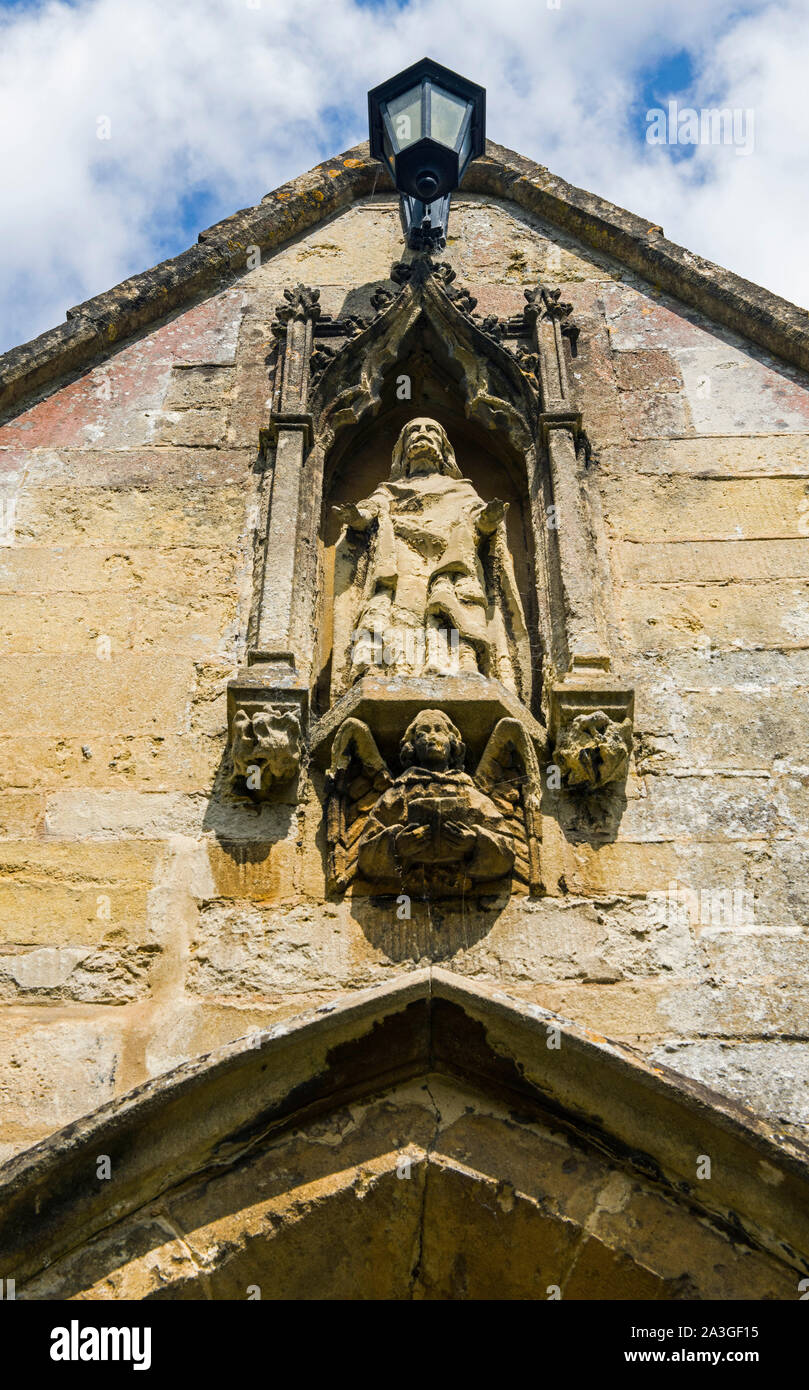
{"x":423,"y":447}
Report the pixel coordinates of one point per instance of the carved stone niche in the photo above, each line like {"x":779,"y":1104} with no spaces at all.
{"x":432,"y":788}
{"x":266,"y":724}
{"x":591,"y":732}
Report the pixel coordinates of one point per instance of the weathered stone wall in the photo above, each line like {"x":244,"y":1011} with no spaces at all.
{"x":147,"y":917}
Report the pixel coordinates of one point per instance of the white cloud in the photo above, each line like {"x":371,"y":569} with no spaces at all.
{"x":238,"y":97}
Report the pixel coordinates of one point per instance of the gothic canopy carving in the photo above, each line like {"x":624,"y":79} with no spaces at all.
{"x":347,"y":381}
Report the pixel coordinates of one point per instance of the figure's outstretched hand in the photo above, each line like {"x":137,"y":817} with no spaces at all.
{"x":489,"y":519}
{"x":350,"y":515}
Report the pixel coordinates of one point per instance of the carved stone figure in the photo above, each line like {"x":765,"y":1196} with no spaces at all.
{"x":593,"y":750}
{"x":425,"y":583}
{"x":266,"y":747}
{"x":434,"y":829}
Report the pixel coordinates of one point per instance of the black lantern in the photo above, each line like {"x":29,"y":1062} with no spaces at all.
{"x":426,"y":124}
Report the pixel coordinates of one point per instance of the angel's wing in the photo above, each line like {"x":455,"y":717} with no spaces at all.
{"x":509,"y":773}
{"x":356,"y":779}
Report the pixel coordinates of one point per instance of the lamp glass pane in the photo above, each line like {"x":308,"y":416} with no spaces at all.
{"x":405,"y":116}
{"x":446,"y":114}
{"x":466,"y":148}
{"x":387,"y":150}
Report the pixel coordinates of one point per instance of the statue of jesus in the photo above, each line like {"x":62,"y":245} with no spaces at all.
{"x":433,"y":589}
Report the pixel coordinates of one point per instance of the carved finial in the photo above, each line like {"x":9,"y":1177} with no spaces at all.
{"x":319,"y":361}
{"x":493,"y":326}
{"x":422,"y":268}
{"x":301,"y":303}
{"x":381,"y":298}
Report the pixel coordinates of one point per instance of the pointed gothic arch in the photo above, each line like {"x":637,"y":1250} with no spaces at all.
{"x":420,"y":1139}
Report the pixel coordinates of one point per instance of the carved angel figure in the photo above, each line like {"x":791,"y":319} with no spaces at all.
{"x":424,"y":577}
{"x":433,"y":829}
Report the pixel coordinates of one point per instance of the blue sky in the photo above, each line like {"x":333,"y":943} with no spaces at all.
{"x":211,"y":103}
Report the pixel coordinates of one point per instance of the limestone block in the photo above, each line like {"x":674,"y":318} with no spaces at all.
{"x":712,"y":561}
{"x":116,"y":815}
{"x":160,"y":467}
{"x":84,"y":694}
{"x":711,"y":671}
{"x":85,"y":570}
{"x":20,"y":815}
{"x":708,"y":807}
{"x":359,"y":246}
{"x":198,"y":626}
{"x":630,"y":867}
{"x":75,"y":974}
{"x":53,"y":1071}
{"x":754,"y":1008}
{"x":723,"y":726}
{"x":648,"y":370}
{"x":485,"y":243}
{"x":209,"y":706}
{"x":198,"y":387}
{"x":114,"y":517}
{"x":161,"y":763}
{"x":684,"y":508}
{"x":727,"y":614}
{"x":774,"y":957}
{"x":652,"y":414}
{"x":244,"y":950}
{"x":551,"y":940}
{"x":262,"y":867}
{"x":779,"y":880}
{"x":189,"y":427}
{"x":731,"y":392}
{"x":79,"y":893}
{"x":743,"y":456}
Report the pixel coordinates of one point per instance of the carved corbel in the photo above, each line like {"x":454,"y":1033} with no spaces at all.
{"x":434,"y":829}
{"x":266,"y":726}
{"x":591,"y":732}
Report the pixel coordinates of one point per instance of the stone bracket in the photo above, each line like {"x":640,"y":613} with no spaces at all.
{"x":267,"y":716}
{"x":585,"y":695}
{"x":475,"y":702}
{"x":590,"y":730}
{"x":361,"y":743}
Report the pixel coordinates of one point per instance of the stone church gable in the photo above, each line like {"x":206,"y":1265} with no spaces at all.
{"x":378,"y":632}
